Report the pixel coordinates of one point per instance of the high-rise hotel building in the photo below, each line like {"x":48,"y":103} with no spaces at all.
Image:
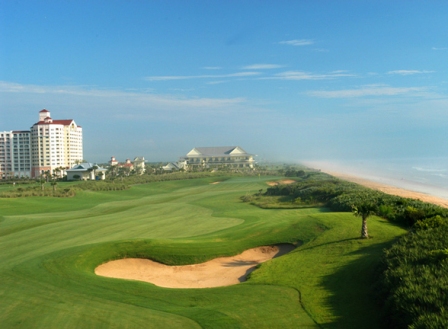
{"x":49,"y":145}
{"x":15,"y":155}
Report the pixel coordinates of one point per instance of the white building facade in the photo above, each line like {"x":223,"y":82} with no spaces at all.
{"x":49,"y":145}
{"x":15,"y":155}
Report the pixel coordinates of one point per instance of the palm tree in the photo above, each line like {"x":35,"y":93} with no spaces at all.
{"x":42,"y":180}
{"x":54,"y":182}
{"x":364,"y":210}
{"x":47,"y":174}
{"x":94,"y":168}
{"x":90,"y":170}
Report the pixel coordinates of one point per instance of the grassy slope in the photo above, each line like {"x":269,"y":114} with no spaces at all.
{"x":51,"y":246}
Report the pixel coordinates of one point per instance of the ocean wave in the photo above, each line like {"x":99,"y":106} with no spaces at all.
{"x":440,"y":175}
{"x":429,"y":169}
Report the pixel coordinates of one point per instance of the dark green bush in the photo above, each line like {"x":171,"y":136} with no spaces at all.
{"x":415,"y":278}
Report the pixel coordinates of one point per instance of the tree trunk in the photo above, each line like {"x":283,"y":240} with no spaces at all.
{"x":364,"y":234}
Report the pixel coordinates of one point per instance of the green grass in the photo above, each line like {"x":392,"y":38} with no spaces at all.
{"x":50,"y":247}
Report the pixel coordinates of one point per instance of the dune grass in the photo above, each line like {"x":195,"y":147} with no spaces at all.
{"x":50,"y":248}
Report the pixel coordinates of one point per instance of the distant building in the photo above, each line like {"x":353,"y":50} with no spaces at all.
{"x":175,"y":166}
{"x":113,"y":161}
{"x":224,"y":156}
{"x":139,"y":165}
{"x":15,"y":154}
{"x":54,"y":144}
{"x":86,"y":171}
{"x":128,"y":165}
{"x":50,"y":145}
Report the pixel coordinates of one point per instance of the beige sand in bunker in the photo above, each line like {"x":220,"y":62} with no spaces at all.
{"x":223,"y":271}
{"x":284,"y":182}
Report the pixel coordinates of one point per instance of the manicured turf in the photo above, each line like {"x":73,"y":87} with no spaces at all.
{"x":50,"y":247}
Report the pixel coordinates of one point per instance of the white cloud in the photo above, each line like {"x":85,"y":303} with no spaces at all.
{"x":300,"y":75}
{"x":262,"y":67}
{"x":206,"y":76}
{"x":217,"y":82}
{"x":374,"y":90}
{"x":408,"y":72}
{"x":297,"y":42}
{"x":438,"y":48}
{"x":107,"y":96}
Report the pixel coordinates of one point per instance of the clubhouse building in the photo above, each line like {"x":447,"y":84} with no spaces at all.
{"x":233,"y":157}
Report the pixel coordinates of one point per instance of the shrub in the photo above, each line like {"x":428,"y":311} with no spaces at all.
{"x":415,"y":277}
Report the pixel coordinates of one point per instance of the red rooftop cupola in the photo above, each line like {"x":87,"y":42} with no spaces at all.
{"x":44,"y":114}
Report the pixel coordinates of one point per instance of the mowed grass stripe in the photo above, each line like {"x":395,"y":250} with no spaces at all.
{"x":16,"y":223}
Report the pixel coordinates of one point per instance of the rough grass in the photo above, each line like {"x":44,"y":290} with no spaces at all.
{"x":50,"y":248}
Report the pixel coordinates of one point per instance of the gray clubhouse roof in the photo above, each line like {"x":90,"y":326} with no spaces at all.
{"x":84,"y":167}
{"x":219,"y":151}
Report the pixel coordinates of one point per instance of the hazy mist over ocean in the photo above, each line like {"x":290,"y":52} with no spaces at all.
{"x":427,"y":175}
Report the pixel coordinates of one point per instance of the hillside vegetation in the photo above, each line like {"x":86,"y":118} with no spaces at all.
{"x":414,"y":279}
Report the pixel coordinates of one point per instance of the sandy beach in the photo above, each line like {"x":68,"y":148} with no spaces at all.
{"x":389,"y":189}
{"x":375,"y":178}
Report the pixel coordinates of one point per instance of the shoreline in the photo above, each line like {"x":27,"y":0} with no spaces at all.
{"x":397,"y":182}
{"x":389,"y":189}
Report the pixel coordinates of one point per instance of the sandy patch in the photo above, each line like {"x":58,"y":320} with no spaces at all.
{"x":392,"y":189}
{"x":218,"y":272}
{"x":215,"y":183}
{"x":284,"y":182}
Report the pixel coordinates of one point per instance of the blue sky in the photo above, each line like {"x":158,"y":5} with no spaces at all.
{"x":286,"y":80}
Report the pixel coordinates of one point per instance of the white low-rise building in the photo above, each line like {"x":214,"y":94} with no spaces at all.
{"x":223,"y":156}
{"x":86,"y":171}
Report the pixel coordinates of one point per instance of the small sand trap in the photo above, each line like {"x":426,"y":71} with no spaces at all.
{"x":284,"y":182}
{"x":224,"y":271}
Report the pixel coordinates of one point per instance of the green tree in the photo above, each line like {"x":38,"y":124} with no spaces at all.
{"x":42,"y":180}
{"x":95,"y":167}
{"x":54,"y":182}
{"x":364,"y":210}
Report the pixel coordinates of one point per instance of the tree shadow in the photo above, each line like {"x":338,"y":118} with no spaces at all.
{"x":283,"y":248}
{"x":237,"y":263}
{"x":328,"y":243}
{"x":354,"y":297}
{"x":243,"y":278}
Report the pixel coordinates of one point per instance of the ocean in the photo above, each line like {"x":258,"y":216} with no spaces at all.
{"x":425,"y":175}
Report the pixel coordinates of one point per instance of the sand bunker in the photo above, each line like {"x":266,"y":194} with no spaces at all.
{"x":284,"y":182}
{"x":218,"y":272}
